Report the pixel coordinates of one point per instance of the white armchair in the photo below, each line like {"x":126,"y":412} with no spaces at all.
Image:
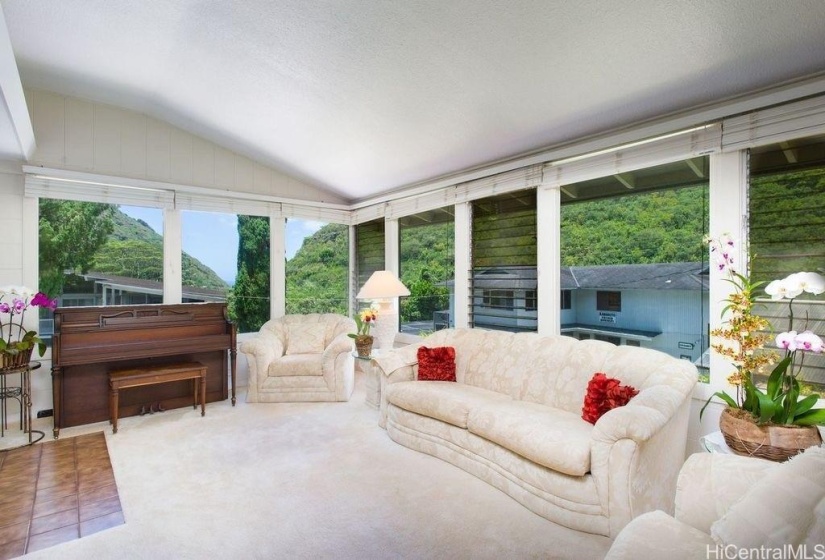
{"x":301,"y":358}
{"x":726,"y":502}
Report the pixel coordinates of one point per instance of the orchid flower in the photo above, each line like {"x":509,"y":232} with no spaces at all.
{"x":809,"y":342}
{"x":786,"y":340}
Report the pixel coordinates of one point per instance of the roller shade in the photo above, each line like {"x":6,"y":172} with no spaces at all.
{"x":69,"y":189}
{"x":777,"y":124}
{"x":202,"y":203}
{"x":639,"y":155}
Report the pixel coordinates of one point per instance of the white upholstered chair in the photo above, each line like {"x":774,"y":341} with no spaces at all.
{"x":300,"y":358}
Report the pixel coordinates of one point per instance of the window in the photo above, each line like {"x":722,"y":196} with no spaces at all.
{"x":531,"y":300}
{"x":369,"y":252}
{"x":787,"y":187}
{"x":427,"y":264}
{"x":608,"y":301}
{"x":226,"y":258}
{"x":566,"y":299}
{"x":634,"y":260}
{"x":317,"y":267}
{"x":504,"y":262}
{"x":501,"y":299}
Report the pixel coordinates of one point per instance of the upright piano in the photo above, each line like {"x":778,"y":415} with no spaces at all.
{"x":91,"y":341}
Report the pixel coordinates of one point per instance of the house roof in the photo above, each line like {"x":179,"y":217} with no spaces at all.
{"x":143,"y":286}
{"x":657,"y":276}
{"x":361,"y":97}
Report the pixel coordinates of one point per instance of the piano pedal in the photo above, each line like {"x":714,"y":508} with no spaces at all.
{"x":142,"y":410}
{"x":151,"y":409}
{"x":160,"y":408}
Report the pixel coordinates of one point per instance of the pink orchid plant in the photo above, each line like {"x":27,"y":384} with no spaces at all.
{"x":14,"y":301}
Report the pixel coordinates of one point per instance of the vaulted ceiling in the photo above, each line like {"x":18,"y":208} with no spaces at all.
{"x":361,"y":97}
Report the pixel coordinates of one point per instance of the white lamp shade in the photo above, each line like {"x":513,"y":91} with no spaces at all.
{"x":382,"y":285}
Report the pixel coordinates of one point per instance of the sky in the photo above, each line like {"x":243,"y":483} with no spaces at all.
{"x":212,"y":238}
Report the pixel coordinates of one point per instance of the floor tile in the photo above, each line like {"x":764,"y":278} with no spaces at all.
{"x":51,"y":538}
{"x":97,"y":494}
{"x":100,"y":523}
{"x":100,"y":508}
{"x":53,"y":506}
{"x":14,"y":532}
{"x":53,"y":492}
{"x":14,"y":513}
{"x":12,"y":549}
{"x":53,"y":521}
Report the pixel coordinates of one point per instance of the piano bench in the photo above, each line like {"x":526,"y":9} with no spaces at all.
{"x":152,"y":375}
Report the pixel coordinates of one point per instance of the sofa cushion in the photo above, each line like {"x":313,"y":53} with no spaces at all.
{"x":444,"y":400}
{"x":551,"y":437}
{"x":306,"y":338}
{"x":785,"y":507}
{"x":299,"y":364}
{"x":436,"y":364}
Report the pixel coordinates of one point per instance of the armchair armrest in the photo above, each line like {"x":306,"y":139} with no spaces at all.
{"x":710,"y":483}
{"x":265,"y":347}
{"x":339,"y":345}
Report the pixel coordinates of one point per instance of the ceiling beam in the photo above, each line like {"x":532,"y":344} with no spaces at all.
{"x":790,"y":153}
{"x":11,"y":91}
{"x":629,"y":181}
{"x":699,"y":171}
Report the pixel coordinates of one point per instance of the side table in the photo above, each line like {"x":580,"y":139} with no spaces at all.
{"x":23,"y":395}
{"x":372,"y":383}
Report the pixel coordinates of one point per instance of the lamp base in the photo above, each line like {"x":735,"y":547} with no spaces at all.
{"x":386,"y":327}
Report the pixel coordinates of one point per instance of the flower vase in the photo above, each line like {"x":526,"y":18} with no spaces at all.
{"x":770,"y":441}
{"x":20,"y":359}
{"x":363,"y":344}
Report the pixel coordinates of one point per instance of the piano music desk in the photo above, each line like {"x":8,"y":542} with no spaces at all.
{"x":152,"y":375}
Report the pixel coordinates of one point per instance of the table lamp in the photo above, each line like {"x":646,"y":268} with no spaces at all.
{"x":383,"y":287}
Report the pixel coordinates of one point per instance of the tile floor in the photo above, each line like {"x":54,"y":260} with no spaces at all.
{"x":56,"y":492}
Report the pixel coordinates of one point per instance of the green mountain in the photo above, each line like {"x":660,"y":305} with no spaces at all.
{"x":135,"y":250}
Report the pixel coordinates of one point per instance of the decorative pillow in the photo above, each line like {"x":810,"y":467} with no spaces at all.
{"x":436,"y":364}
{"x":306,"y":338}
{"x":603,"y":394}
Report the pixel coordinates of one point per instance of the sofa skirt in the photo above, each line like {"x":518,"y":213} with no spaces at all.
{"x":570,"y":501}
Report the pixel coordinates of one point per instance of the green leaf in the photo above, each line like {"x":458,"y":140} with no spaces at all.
{"x":722,"y":395}
{"x":775,"y":379}
{"x":806,"y":404}
{"x":815,"y":416}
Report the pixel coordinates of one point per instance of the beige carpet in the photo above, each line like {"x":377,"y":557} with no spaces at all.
{"x":302,"y":481}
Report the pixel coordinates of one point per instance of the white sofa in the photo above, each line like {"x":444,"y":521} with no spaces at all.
{"x":513,"y":419}
{"x":725,"y":503}
{"x":301,"y":358}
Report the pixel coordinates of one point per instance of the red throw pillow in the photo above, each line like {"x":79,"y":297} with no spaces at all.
{"x":436,"y":364}
{"x":603,"y":394}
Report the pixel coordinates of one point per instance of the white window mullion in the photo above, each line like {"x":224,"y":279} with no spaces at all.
{"x":548,"y":231}
{"x":277,"y":266}
{"x":172,"y":256}
{"x":463,"y":264}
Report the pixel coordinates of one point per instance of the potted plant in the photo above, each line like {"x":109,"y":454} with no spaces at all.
{"x":770,"y":420}
{"x":363,"y":339}
{"x":16,"y":343}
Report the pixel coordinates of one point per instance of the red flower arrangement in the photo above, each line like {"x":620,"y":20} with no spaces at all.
{"x":603,"y":394}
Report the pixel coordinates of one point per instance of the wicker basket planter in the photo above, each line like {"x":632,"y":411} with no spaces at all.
{"x":773,"y":442}
{"x":15,"y":360}
{"x":363,"y":345}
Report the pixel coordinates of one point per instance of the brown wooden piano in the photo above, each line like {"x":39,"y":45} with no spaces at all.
{"x":91,"y":341}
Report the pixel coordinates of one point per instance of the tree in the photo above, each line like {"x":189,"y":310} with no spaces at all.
{"x":70,"y":234}
{"x":249,"y":299}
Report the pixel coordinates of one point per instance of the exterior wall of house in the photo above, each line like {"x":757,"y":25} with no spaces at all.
{"x":80,"y":135}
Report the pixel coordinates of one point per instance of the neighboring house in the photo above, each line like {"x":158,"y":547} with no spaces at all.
{"x":97,"y":288}
{"x":662,"y":306}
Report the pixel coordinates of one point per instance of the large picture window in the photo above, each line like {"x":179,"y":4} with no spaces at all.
{"x":317,"y":267}
{"x":427,"y":264}
{"x":634,"y":261}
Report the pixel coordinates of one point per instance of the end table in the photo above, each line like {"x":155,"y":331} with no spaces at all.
{"x":372,"y":383}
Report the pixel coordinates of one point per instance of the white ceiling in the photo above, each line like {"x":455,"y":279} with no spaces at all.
{"x":365,"y":96}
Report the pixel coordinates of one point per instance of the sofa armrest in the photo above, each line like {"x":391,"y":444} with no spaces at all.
{"x":657,"y":535}
{"x":710,"y":483}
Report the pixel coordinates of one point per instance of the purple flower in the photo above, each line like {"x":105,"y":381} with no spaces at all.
{"x":810,"y":342}
{"x":4,"y":308}
{"x":42,"y":300}
{"x":19,"y":305}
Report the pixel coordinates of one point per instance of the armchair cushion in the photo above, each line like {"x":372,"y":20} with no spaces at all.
{"x":787,"y":506}
{"x":306,"y":338}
